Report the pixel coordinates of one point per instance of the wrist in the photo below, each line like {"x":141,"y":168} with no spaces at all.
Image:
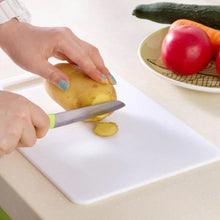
{"x":7,"y":30}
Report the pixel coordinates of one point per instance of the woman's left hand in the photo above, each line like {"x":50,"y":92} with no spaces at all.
{"x":30,"y":47}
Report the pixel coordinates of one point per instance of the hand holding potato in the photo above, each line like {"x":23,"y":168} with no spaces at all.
{"x":82,"y":92}
{"x":30,"y":47}
{"x":22,"y":122}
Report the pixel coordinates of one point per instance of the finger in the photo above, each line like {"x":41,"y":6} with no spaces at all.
{"x":11,"y":150}
{"x":40,"y":120}
{"x":96,"y":58}
{"x":1,"y":154}
{"x":28,"y":137}
{"x":54,"y":75}
{"x":61,"y":56}
{"x":10,"y":136}
{"x":101,"y":67}
{"x":98,"y":61}
{"x":80,"y":56}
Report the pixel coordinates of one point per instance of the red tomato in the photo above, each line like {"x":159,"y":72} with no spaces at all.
{"x":217,"y":63}
{"x":186,"y":50}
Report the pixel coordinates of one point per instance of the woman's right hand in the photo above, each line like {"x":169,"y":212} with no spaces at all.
{"x":21,"y":122}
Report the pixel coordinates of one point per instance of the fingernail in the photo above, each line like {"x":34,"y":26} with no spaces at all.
{"x":105,"y":80}
{"x":63,"y":85}
{"x":113,"y":79}
{"x":104,"y":76}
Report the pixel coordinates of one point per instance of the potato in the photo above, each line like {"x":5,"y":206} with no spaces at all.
{"x":82,"y":91}
{"x":105,"y":129}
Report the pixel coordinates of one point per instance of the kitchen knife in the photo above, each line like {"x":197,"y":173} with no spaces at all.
{"x":80,"y":114}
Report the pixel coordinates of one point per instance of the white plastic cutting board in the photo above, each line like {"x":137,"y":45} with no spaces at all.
{"x":151,"y":145}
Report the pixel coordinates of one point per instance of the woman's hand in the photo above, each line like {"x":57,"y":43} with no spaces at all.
{"x":21,"y":122}
{"x":30,"y":47}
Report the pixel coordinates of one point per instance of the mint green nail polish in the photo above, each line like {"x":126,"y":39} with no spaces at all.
{"x":104,"y":76}
{"x":63,"y":85}
{"x":113,"y":79}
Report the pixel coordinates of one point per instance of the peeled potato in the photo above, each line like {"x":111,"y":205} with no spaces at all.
{"x":82,"y":91}
{"x":106,"y":129}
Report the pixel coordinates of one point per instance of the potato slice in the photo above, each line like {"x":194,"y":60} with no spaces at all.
{"x":105,"y":129}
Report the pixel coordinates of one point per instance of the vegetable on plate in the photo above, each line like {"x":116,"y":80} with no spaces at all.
{"x":214,"y":35}
{"x":186,"y":50}
{"x":168,"y":12}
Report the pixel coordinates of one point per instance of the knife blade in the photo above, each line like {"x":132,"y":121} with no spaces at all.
{"x":80,"y":114}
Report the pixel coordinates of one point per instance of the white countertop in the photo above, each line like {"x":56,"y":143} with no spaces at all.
{"x":109,"y":25}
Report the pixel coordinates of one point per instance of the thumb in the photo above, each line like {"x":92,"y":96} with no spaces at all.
{"x":54,"y":75}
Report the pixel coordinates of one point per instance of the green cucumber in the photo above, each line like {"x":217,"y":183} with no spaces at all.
{"x":167,"y":13}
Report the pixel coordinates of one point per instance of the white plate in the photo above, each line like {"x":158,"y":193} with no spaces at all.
{"x":150,"y":55}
